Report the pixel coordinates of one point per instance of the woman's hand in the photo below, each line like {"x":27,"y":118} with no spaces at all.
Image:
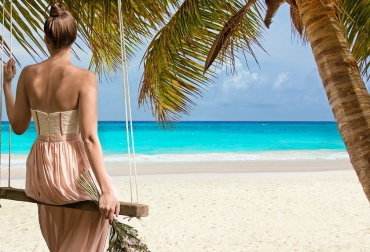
{"x":109,"y":205}
{"x":9,"y":72}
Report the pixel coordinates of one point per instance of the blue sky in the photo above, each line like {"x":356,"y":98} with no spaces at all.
{"x":287,"y":87}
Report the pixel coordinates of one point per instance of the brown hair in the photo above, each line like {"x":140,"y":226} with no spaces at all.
{"x":60,"y":26}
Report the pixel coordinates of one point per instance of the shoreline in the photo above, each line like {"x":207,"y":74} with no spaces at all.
{"x":121,"y":168}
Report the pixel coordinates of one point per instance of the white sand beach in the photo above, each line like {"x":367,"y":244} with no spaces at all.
{"x":229,"y":206}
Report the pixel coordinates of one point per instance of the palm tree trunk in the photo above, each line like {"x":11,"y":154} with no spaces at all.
{"x":340,"y":75}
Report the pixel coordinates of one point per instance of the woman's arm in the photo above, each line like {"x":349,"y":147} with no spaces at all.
{"x":88,"y":116}
{"x":18,"y":110}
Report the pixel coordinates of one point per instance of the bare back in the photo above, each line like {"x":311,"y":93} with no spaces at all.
{"x":54,"y":86}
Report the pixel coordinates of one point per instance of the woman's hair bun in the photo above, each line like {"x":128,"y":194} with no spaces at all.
{"x":57,"y":9}
{"x":60,"y":27}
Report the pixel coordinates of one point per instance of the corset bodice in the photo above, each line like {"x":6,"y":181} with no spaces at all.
{"x":56,"y":123}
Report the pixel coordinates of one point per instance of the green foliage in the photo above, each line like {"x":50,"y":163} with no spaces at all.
{"x":123,"y":238}
{"x":174,"y":60}
{"x":97,"y":23}
{"x":354,"y":15}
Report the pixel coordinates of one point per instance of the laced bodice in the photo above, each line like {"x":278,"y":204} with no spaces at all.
{"x":56,"y":123}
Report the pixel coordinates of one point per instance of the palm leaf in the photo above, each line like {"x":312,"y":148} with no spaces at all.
{"x":272,"y":7}
{"x":97,"y":25}
{"x":174,"y":59}
{"x":297,"y":21}
{"x":355,"y":15}
{"x":227,"y":31}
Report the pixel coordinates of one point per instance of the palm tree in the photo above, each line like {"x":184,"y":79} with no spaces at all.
{"x":340,"y":75}
{"x":185,"y":44}
{"x":329,"y":26}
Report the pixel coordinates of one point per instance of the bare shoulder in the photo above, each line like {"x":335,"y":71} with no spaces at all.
{"x":32,"y":67}
{"x":31,"y":70}
{"x":87,"y":79}
{"x":27,"y":72}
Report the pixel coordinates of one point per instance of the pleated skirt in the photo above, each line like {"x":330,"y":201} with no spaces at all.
{"x":52,"y":167}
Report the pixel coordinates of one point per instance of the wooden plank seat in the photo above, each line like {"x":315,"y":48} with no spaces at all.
{"x":128,"y":209}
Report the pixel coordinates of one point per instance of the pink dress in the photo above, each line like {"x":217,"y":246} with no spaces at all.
{"x":54,"y":162}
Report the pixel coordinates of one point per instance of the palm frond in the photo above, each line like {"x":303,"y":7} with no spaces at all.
{"x":355,"y":15}
{"x":173,"y":62}
{"x":97,"y":26}
{"x":272,"y":7}
{"x":227,"y":31}
{"x":296,"y":20}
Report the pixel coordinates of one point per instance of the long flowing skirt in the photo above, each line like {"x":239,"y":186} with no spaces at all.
{"x":52,"y":167}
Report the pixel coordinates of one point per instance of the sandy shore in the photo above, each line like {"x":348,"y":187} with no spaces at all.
{"x":117,"y":166}
{"x":320,"y":208}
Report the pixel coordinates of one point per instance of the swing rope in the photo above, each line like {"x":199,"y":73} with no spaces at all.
{"x":126,"y":88}
{"x":2,"y":78}
{"x":2,"y":81}
{"x":10,"y":57}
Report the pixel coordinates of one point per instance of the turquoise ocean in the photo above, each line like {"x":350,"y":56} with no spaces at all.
{"x":209,"y":139}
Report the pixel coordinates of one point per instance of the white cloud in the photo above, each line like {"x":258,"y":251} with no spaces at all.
{"x":282,"y":77}
{"x":238,"y":63}
{"x":241,"y":80}
{"x":227,"y":66}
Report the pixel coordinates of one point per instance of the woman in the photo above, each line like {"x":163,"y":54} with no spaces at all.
{"x":62,"y":99}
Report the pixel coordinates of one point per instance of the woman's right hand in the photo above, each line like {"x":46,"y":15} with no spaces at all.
{"x":9,"y":72}
{"x":109,"y":205}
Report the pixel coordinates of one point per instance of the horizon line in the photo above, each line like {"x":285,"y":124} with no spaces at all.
{"x":271,"y":121}
{"x":221,"y":121}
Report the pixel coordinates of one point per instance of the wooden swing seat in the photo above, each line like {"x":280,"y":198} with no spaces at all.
{"x":128,"y":209}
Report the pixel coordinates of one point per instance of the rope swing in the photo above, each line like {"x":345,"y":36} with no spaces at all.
{"x":126,"y":88}
{"x":2,"y":80}
{"x":127,"y":208}
{"x":10,"y":57}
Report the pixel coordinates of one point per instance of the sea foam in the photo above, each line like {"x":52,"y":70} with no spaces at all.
{"x":234,"y":156}
{"x":19,"y":161}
